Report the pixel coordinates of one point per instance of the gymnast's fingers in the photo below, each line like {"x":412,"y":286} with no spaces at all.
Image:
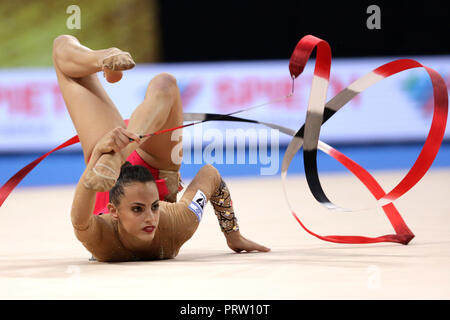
{"x":113,"y":145}
{"x":129,"y":136}
{"x":119,"y":143}
{"x":247,"y":245}
{"x":122,"y":139}
{"x":258,"y":247}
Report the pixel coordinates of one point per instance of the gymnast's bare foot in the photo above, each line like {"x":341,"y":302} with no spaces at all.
{"x":114,"y":62}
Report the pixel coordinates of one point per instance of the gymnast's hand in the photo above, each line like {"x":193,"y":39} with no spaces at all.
{"x":238,"y":243}
{"x":114,"y":141}
{"x":106,"y":159}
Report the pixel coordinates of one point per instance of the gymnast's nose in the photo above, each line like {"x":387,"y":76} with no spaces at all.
{"x":150,"y":217}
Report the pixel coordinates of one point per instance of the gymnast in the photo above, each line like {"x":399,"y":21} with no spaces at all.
{"x":125,"y":204}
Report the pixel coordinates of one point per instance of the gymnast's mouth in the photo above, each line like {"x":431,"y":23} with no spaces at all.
{"x":149,"y":229}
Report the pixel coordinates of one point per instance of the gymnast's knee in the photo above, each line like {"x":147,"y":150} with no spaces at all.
{"x":162,"y":85}
{"x":58,"y":42}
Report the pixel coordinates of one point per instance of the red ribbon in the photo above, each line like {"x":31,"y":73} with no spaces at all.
{"x":9,"y":186}
{"x":424,"y":161}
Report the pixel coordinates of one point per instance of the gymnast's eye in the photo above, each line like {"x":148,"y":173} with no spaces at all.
{"x":137,"y":209}
{"x":155,"y":206}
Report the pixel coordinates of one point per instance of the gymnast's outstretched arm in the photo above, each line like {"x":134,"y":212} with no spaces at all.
{"x":208,"y":185}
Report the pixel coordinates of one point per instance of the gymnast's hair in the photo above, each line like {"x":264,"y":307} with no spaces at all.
{"x":128,"y":174}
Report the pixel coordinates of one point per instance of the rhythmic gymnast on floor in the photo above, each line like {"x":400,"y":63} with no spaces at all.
{"x":125,"y":204}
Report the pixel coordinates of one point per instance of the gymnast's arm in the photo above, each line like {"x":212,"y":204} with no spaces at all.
{"x":84,"y":198}
{"x":209,"y":185}
{"x":223,"y":208}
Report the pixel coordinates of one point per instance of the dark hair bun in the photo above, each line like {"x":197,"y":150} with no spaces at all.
{"x":128,"y":174}
{"x":134,"y":173}
{"x":125,"y":165}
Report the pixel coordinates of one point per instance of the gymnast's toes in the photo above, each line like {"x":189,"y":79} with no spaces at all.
{"x":114,"y":62}
{"x":117,"y":60}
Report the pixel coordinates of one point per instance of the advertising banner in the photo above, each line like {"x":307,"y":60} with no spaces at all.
{"x":33,"y":116}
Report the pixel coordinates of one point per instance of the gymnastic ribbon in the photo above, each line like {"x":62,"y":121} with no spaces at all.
{"x":318,"y":112}
{"x":9,"y":186}
{"x":307,"y":136}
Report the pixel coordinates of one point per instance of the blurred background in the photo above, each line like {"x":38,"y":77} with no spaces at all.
{"x":226,"y":55}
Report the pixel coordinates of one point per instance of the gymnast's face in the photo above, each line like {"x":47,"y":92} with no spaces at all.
{"x":138,"y":212}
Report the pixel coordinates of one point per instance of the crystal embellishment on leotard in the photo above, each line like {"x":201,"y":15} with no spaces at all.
{"x":223,"y":209}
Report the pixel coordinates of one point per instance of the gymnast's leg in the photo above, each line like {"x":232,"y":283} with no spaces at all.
{"x":94,"y":114}
{"x":91,"y":110}
{"x":161,"y":109}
